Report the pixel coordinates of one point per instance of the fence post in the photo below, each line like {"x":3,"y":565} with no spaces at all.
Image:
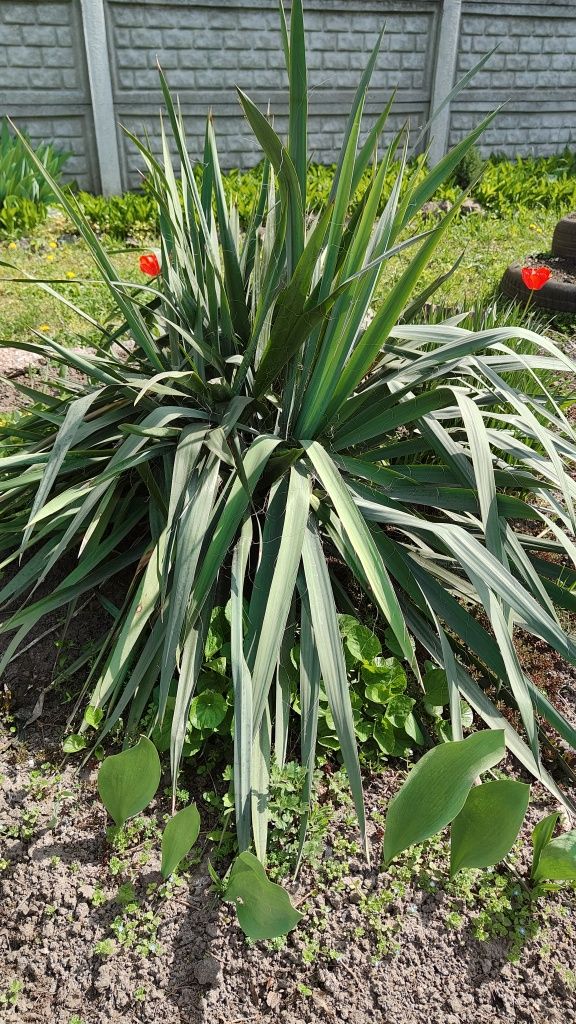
{"x":444,"y":73}
{"x":100,"y":81}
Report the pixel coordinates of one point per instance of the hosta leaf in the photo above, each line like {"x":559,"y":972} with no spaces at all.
{"x":179,"y":836}
{"x":436,"y":789}
{"x":488,"y":824}
{"x":128,"y":781}
{"x":557,"y":861}
{"x":264,"y":909}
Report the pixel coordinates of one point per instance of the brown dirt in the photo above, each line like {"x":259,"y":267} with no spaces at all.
{"x":59,"y":898}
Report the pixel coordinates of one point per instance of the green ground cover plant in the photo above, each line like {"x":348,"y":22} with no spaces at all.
{"x":503,"y":187}
{"x":271,"y":446}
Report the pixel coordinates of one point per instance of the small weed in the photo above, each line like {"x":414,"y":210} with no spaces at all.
{"x":98,"y":897}
{"x":374,"y":907}
{"x":41,"y":780}
{"x":9,"y":997}
{"x":140,"y":994}
{"x":135,"y":832}
{"x":303,"y":989}
{"x":314,"y":951}
{"x":137,"y":929}
{"x":568,"y":976}
{"x":117,"y":866}
{"x":106,"y":947}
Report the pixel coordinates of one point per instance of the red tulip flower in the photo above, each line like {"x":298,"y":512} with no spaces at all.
{"x":149,"y":264}
{"x":535,"y":277}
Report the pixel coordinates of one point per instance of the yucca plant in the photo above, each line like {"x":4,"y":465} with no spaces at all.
{"x":265,"y":440}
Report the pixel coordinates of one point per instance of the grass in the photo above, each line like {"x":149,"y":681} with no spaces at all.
{"x":26,"y":307}
{"x":489,"y":244}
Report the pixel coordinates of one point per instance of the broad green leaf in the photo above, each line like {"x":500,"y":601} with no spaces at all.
{"x":74,"y":743}
{"x":488,"y":712}
{"x":362,"y":643}
{"x":437,"y":788}
{"x":436,"y":687}
{"x":178,"y":838}
{"x":128,"y":781}
{"x":486,"y":828}
{"x":378,"y":693}
{"x":399,"y":709}
{"x":207,"y":710}
{"x":541,"y":836}
{"x":264,"y":909}
{"x":385,"y":736}
{"x":93,"y":716}
{"x":557,"y":862}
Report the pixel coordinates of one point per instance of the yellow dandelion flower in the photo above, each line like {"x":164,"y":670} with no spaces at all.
{"x":52,"y":245}
{"x":44,"y":327}
{"x":70,"y":273}
{"x":50,"y":256}
{"x":12,"y":245}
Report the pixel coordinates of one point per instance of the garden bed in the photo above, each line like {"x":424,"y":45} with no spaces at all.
{"x":89,"y":934}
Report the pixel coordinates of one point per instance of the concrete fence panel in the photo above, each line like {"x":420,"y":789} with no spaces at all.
{"x":74,"y":71}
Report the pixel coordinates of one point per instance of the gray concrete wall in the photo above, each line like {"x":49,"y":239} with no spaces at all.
{"x":43,"y":81}
{"x":60,"y":60}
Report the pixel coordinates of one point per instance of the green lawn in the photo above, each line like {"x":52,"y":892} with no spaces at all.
{"x":489,"y":244}
{"x":26,"y":307}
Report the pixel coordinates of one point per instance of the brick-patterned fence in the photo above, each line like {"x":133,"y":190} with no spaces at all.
{"x":73,"y":70}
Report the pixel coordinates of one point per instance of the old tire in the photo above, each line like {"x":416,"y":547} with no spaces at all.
{"x":564,"y":237}
{"x":559,"y":296}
